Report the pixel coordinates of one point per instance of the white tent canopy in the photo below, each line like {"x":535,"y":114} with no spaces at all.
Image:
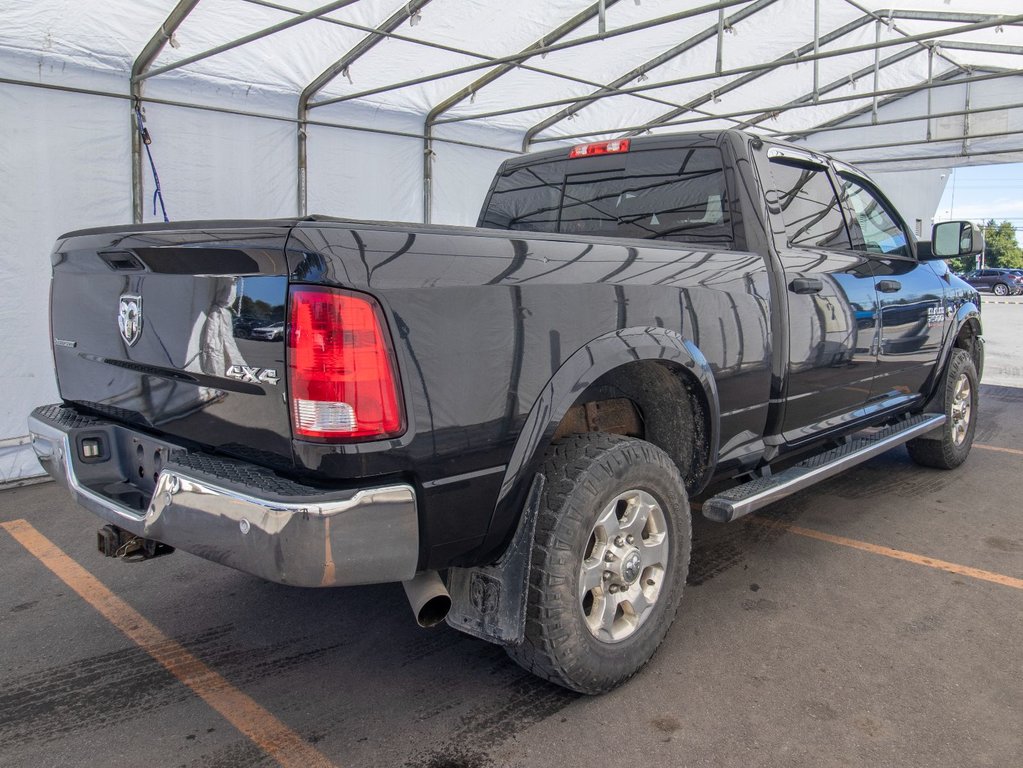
{"x":402,"y":110}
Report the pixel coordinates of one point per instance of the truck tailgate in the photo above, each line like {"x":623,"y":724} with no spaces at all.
{"x":178,"y":330}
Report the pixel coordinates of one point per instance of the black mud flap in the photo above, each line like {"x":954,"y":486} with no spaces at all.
{"x":489,"y":601}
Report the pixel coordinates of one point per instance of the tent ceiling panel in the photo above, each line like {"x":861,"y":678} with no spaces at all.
{"x":387,"y":63}
{"x":608,"y":114}
{"x":87,"y":30}
{"x":902,"y":66}
{"x":311,"y":47}
{"x":635,"y":54}
{"x":902,"y":144}
{"x":995,"y":7}
{"x":665,"y":55}
{"x":616,"y":55}
{"x":470,"y":27}
{"x":768,"y":87}
{"x":626,"y":13}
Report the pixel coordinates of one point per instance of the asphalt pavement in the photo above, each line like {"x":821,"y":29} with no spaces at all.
{"x":874,"y":620}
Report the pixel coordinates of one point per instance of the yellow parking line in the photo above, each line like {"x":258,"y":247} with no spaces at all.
{"x":266,"y":731}
{"x":1014,"y":451}
{"x":909,"y":557}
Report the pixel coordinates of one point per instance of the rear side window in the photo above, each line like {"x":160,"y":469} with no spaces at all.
{"x":663,"y":194}
{"x":806,"y":200}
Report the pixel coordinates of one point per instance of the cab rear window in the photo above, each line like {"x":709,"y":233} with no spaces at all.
{"x":663,"y":194}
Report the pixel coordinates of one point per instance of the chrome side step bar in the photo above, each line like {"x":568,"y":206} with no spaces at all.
{"x":751,"y":496}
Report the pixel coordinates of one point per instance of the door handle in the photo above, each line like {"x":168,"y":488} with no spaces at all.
{"x":889,"y":286}
{"x":806,"y":285}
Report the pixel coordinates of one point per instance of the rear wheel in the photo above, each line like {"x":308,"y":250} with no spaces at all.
{"x":1000,"y":289}
{"x":960,"y":403}
{"x":610,"y":559}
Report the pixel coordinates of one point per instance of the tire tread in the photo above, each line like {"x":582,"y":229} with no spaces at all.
{"x":569,"y":463}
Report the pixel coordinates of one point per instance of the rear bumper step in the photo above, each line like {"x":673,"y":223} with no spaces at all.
{"x":751,"y":496}
{"x":230,"y":512}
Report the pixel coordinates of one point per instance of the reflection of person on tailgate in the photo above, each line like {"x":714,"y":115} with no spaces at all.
{"x":211,"y":347}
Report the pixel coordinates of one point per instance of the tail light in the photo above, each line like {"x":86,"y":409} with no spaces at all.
{"x":612,"y":147}
{"x":341,"y":370}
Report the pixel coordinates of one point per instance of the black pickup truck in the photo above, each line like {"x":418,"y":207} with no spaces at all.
{"x":511,"y":418}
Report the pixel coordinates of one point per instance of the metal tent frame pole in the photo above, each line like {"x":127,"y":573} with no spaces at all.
{"x":933,"y":43}
{"x":751,"y":76}
{"x":786,"y":107}
{"x":959,"y":17}
{"x":849,"y":80}
{"x":142,"y":63}
{"x":953,"y":156}
{"x":825,"y":128}
{"x":258,"y":35}
{"x":831,"y":37}
{"x":336,"y":69}
{"x":540,"y":46}
{"x":639,"y":73}
{"x":499,"y":71}
{"x":519,"y":57}
{"x":948,"y":78}
{"x":523,"y":65}
{"x":869,"y":47}
{"x":966,"y":136}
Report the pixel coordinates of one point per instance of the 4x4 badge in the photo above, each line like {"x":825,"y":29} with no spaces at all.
{"x":253,"y":375}
{"x":129,"y":318}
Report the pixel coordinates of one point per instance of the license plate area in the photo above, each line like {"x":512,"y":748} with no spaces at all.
{"x":120,"y":464}
{"x":144,"y":462}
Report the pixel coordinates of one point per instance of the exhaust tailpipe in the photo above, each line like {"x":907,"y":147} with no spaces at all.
{"x":428,"y":597}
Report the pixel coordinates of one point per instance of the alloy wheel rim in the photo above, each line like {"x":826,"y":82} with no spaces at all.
{"x":624,"y":565}
{"x":961,"y":410}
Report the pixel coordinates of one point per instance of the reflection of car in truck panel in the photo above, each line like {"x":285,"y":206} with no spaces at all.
{"x":273,"y":332}
{"x":526,"y":402}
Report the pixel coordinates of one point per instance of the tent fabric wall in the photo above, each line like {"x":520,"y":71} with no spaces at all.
{"x":66,"y":163}
{"x":219,"y":166}
{"x":992,"y":114}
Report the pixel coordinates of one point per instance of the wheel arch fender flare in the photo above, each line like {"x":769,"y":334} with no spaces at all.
{"x":967,"y":313}
{"x":582,"y":368}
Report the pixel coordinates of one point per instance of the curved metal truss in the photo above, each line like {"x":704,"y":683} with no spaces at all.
{"x":943,"y":41}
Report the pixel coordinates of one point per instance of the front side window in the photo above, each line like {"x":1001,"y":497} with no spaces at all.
{"x":664,"y":194}
{"x":881,"y":231}
{"x":805,"y":198}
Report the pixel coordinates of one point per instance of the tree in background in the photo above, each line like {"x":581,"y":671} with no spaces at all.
{"x":1000,"y":246}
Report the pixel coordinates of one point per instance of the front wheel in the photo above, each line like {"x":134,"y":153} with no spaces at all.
{"x":1001,"y":289}
{"x":960,"y":404}
{"x":610,"y":559}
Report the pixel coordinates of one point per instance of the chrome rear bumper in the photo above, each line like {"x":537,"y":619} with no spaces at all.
{"x":301,"y":536}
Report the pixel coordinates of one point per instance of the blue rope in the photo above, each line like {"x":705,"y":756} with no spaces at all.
{"x":146,"y":141}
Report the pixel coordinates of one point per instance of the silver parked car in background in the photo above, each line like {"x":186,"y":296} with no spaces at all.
{"x":1001,"y":282}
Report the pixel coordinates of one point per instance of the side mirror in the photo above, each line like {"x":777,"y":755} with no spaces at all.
{"x":950,"y":239}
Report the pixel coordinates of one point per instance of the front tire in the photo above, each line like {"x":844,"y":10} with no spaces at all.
{"x":960,"y":404}
{"x":610,"y":559}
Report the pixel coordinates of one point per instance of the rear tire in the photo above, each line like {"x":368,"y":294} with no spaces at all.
{"x":1001,"y":289}
{"x":610,"y":559}
{"x":960,"y":408}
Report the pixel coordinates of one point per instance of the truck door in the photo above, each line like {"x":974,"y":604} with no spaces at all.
{"x":911,"y":295}
{"x":832,"y":304}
